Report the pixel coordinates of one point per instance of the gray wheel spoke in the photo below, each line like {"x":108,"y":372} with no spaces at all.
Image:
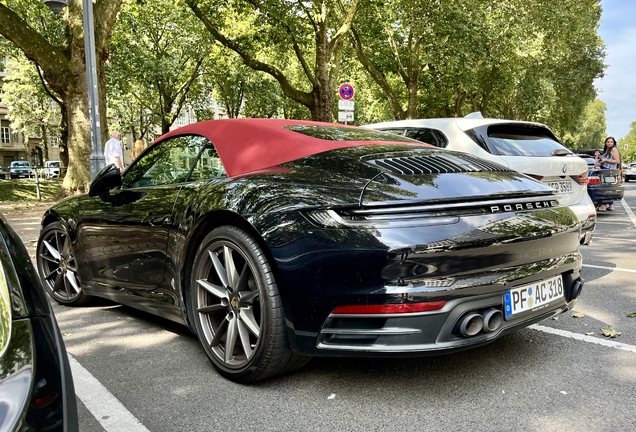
{"x":247,"y":318}
{"x":248,"y":296}
{"x":64,"y":250}
{"x":245,"y":339}
{"x":52,"y":251}
{"x":49,"y":259}
{"x":230,"y":339}
{"x":230,"y":268}
{"x":59,"y":282}
{"x":50,"y":275}
{"x":219,"y":332}
{"x":242,"y":284}
{"x":215,"y":290}
{"x":220,"y":270}
{"x":70,"y":276}
{"x":211,"y":308}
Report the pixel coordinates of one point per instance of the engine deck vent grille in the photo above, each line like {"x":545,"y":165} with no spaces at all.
{"x":438,"y":164}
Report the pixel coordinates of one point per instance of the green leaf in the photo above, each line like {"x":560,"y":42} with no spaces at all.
{"x":610,"y":332}
{"x":631,"y":315}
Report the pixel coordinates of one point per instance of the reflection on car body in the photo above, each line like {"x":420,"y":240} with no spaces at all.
{"x":278,"y":240}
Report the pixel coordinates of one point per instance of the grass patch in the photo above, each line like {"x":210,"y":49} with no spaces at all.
{"x":25,"y":189}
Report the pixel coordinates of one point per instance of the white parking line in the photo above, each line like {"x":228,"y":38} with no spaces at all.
{"x":610,"y":268}
{"x":109,"y":412}
{"x":629,"y":211}
{"x":585,"y":338}
{"x":614,"y":238}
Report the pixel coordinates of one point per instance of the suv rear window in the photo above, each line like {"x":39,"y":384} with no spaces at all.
{"x":519,"y":140}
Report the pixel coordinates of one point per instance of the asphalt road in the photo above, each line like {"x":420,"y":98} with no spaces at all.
{"x":135,"y":372}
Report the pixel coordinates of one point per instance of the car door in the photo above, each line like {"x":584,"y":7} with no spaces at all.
{"x":125,"y":235}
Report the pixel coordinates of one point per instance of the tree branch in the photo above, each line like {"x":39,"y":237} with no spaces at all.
{"x":36,"y":48}
{"x":377,"y":75}
{"x":301,"y":97}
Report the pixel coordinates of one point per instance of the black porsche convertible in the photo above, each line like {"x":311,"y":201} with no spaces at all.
{"x":279,"y":240}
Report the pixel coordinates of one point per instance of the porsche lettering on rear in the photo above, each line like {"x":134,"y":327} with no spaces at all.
{"x":523,"y":206}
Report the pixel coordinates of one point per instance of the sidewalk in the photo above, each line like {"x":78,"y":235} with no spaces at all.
{"x":25,"y":217}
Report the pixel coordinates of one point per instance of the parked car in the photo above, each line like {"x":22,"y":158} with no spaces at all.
{"x":36,"y":386}
{"x":630,"y":172}
{"x":20,"y":168}
{"x":603,"y":185}
{"x":527,"y":147}
{"x":52,"y":168}
{"x":277,"y":240}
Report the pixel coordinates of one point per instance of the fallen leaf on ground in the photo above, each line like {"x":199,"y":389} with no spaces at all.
{"x":589,"y":333}
{"x":578,"y":315}
{"x":610,"y":332}
{"x":631,"y":315}
{"x":555,"y":318}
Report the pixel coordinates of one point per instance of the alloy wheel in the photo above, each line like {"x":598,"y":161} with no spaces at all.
{"x":228,"y":304}
{"x":57,"y":266}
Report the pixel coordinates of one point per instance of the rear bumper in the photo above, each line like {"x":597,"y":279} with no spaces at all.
{"x":604,"y":193}
{"x":431,"y":333}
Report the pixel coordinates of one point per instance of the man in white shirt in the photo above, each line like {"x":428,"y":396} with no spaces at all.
{"x":112,"y":151}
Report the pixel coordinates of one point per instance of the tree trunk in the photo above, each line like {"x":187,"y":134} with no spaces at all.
{"x":63,"y":143}
{"x":79,"y":143}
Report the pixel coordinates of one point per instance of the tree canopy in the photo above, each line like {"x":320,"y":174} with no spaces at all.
{"x":518,"y":59}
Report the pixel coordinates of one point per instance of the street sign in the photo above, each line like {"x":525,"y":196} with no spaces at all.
{"x":346,"y":105}
{"x":346,"y":91}
{"x":345,"y":116}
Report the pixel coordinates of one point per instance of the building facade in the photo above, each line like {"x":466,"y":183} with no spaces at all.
{"x":15,"y":146}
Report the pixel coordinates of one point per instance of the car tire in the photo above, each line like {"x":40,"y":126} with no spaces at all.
{"x":58,"y":268}
{"x":237,"y":309}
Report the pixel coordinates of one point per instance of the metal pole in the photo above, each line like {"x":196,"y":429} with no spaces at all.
{"x":97,"y":157}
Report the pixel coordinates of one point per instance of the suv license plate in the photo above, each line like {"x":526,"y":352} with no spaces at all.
{"x":533,"y":297}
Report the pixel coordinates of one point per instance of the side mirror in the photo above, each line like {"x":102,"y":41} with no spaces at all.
{"x":105,"y":180}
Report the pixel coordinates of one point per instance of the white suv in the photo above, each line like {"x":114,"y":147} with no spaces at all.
{"x":527,"y":147}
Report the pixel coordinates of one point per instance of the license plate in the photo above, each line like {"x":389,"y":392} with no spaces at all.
{"x":610,"y":179}
{"x":533,"y":297}
{"x":564,"y":187}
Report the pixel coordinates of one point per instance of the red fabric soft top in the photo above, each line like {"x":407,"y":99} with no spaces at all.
{"x":248,"y":145}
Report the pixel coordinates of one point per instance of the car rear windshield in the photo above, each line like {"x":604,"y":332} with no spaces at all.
{"x":521,"y":140}
{"x":20,"y":164}
{"x":53,"y":164}
{"x":336,"y":133}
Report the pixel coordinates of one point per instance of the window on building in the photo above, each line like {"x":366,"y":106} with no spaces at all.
{"x":5,"y":135}
{"x":54,"y":142}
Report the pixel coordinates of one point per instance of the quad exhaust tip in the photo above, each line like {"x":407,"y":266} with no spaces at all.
{"x":474,"y":323}
{"x":493,"y":318}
